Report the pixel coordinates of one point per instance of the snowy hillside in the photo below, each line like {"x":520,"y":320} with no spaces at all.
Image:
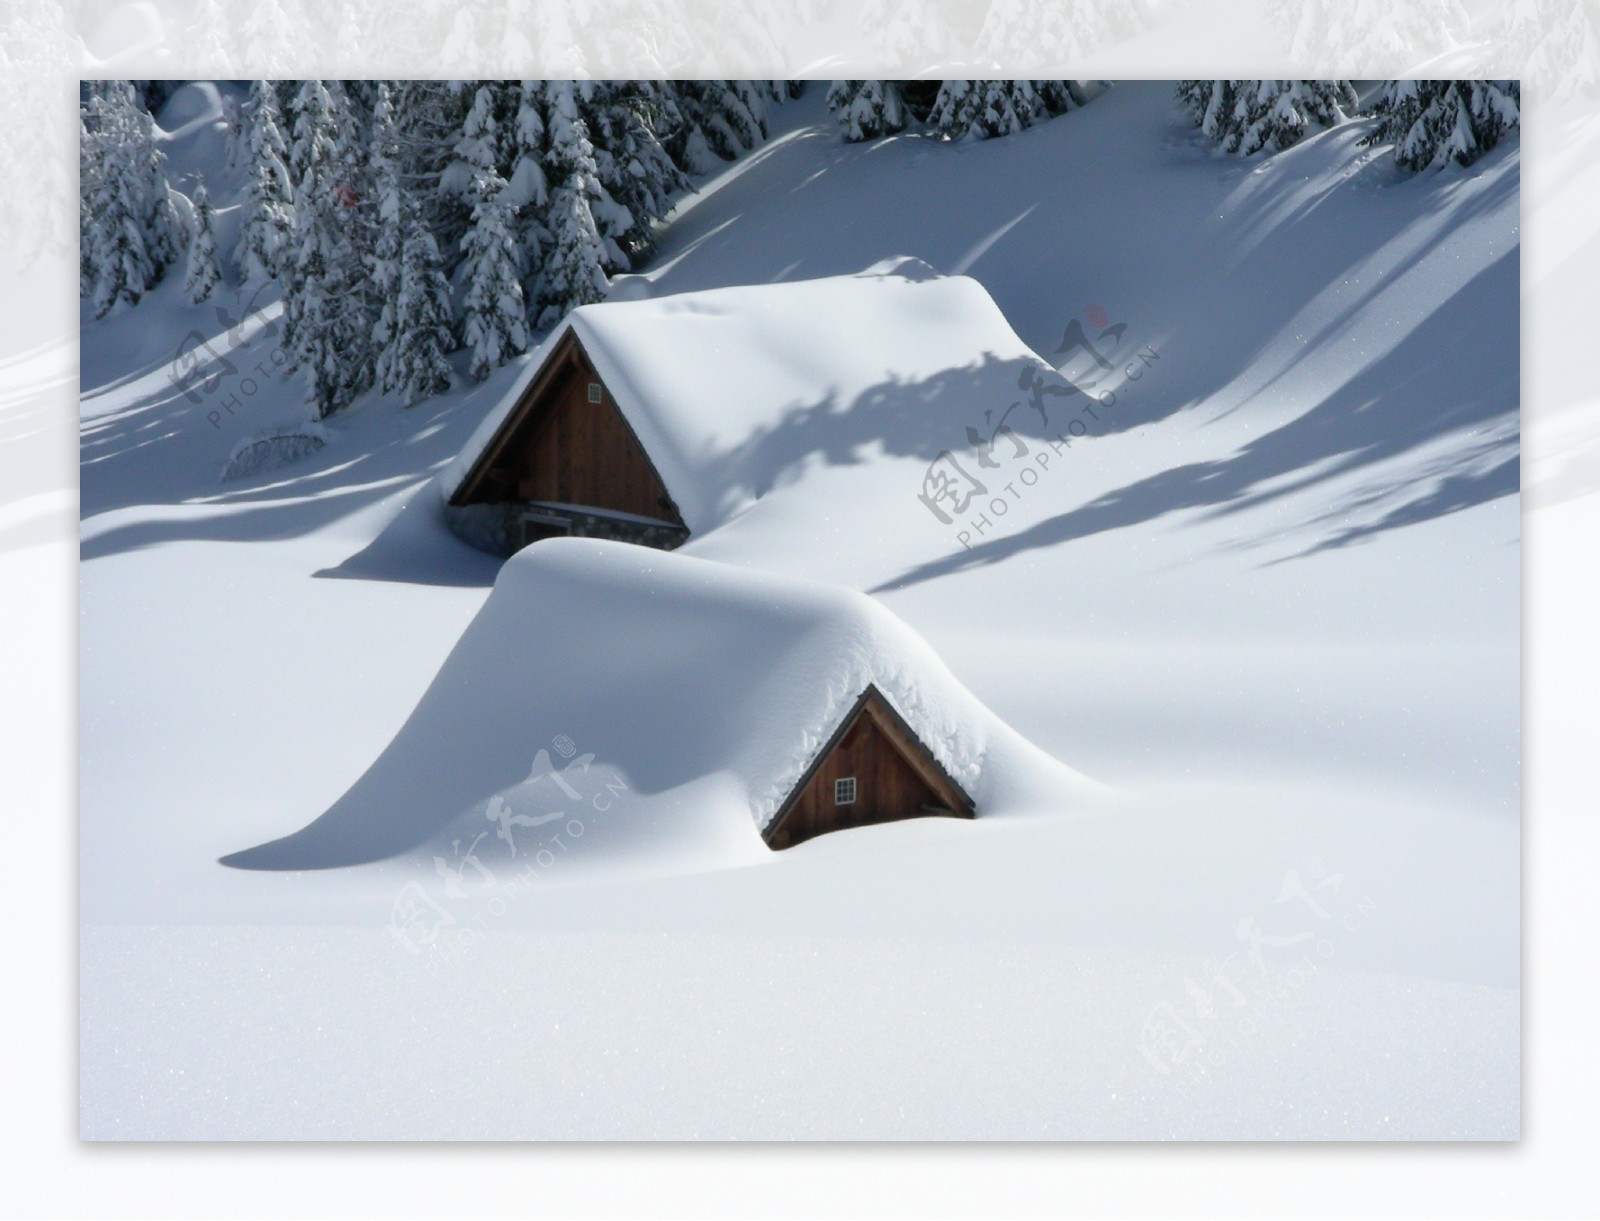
{"x":1259,"y":604}
{"x":768,"y":664}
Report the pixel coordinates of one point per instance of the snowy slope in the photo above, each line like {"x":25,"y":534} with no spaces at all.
{"x":732,"y":390}
{"x":697,"y":694}
{"x":1271,"y":597}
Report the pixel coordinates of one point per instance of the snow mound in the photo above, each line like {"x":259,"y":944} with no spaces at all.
{"x":735,"y":391}
{"x":674,"y":699}
{"x":272,"y":449}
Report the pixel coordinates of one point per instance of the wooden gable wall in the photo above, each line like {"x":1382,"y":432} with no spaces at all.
{"x":557,"y":446}
{"x":895,"y":778}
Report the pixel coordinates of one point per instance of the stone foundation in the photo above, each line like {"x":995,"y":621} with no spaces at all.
{"x":502,"y":529}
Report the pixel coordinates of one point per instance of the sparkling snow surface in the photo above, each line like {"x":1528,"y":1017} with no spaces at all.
{"x":1262,"y":614}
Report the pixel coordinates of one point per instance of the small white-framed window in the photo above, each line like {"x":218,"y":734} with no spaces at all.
{"x":594,"y":392}
{"x":844,"y":791}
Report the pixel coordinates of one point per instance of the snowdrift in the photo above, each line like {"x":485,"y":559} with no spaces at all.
{"x":653,"y":703}
{"x":736,"y":392}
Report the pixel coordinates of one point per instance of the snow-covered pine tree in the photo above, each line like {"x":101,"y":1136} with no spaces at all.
{"x":1218,"y":109}
{"x":866,"y":110}
{"x":237,"y":140}
{"x":205,"y":273}
{"x":720,"y":121}
{"x":1058,"y":97}
{"x":1434,"y":123}
{"x":1248,"y":117}
{"x":130,"y":232}
{"x":89,"y":158}
{"x":587,"y":102}
{"x":636,"y":175}
{"x":527,"y":188}
{"x":311,"y":128}
{"x":327,"y":320}
{"x":486,"y":135}
{"x":428,"y":119}
{"x":978,"y":110}
{"x":494,"y":309}
{"x":118,"y":264}
{"x":389,"y":237}
{"x":414,"y":362}
{"x":573,"y":272}
{"x":1196,"y":98}
{"x":264,"y":234}
{"x":166,"y":236}
{"x":1275,"y":114}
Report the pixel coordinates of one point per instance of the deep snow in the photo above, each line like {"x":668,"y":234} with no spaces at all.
{"x":685,"y":697}
{"x":732,"y":391}
{"x":1273,"y":602}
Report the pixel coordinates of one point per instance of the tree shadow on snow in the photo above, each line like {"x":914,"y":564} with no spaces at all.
{"x":1454,"y":376}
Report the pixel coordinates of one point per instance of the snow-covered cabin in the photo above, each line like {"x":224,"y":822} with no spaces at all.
{"x":659,"y":419}
{"x":692,"y":708}
{"x":874,"y":768}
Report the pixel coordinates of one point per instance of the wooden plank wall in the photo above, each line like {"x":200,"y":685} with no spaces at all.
{"x":888,"y":788}
{"x":583,"y":453}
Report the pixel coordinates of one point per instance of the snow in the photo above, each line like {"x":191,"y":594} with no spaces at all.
{"x":727,"y":388}
{"x":1271,"y":602}
{"x":768,"y":665}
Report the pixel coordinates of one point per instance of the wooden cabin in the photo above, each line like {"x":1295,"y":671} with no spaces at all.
{"x":873,"y":769}
{"x":566,"y":462}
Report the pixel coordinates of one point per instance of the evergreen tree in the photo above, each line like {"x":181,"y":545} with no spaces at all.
{"x":414,"y":364}
{"x":264,"y":235}
{"x":428,"y":120}
{"x":494,"y":309}
{"x":573,"y":268}
{"x":866,"y":110}
{"x":327,"y":320}
{"x":1208,"y":104}
{"x":978,"y":110}
{"x":1276,"y":114}
{"x":389,"y":241}
{"x":1247,"y":117}
{"x":587,"y":103}
{"x":1434,"y":123}
{"x":484,"y":137}
{"x":720,"y":121}
{"x":636,"y":176}
{"x":129,"y":231}
{"x":120,"y":268}
{"x":93,"y":144}
{"x":165,"y":233}
{"x":205,"y":273}
{"x":527,"y":188}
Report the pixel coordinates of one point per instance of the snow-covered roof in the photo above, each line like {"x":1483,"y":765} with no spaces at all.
{"x":733,"y":390}
{"x":696,"y":693}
